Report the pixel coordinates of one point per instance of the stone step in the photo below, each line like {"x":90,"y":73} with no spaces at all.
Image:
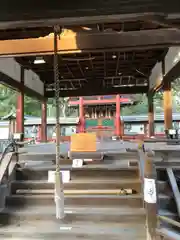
{"x":77,"y":214}
{"x":96,"y":156}
{"x":73,"y":214}
{"x":159,"y":164}
{"x":48,"y":157}
{"x":78,"y":237}
{"x":86,"y":183}
{"x":162,"y":187}
{"x":87,"y":230}
{"x":35,"y":156}
{"x":41,"y":173}
{"x":134,"y":200}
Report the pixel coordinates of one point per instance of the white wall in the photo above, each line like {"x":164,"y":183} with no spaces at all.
{"x":156,"y":76}
{"x":11,"y":68}
{"x":172,"y":58}
{"x":32,"y":81}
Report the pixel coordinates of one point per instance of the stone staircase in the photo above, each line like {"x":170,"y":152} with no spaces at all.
{"x":101,"y":200}
{"x":96,"y":204}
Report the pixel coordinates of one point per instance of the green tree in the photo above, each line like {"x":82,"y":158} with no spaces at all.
{"x":141,"y":107}
{"x":32,"y":107}
{"x":65,"y":110}
{"x":7,"y":100}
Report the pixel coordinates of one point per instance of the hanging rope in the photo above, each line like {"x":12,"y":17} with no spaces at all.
{"x":58,"y":194}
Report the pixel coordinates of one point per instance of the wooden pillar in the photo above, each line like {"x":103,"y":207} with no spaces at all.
{"x":20,"y":113}
{"x":150,"y":115}
{"x":122,"y":128}
{"x":44,"y":121}
{"x":167,"y":97}
{"x":117,"y":117}
{"x":150,"y":196}
{"x":145,"y":129}
{"x":81,"y":115}
{"x":20,"y":107}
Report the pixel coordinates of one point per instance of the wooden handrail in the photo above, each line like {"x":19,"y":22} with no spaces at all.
{"x":23,"y":143}
{"x":158,"y":140}
{"x":5,"y":164}
{"x":169,"y":220}
{"x":167,"y":233}
{"x":174,"y":187}
{"x":141,"y":164}
{"x":163,"y":232}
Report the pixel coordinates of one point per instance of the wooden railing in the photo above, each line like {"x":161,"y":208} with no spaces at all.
{"x":3,"y":144}
{"x":141,"y":162}
{"x":153,"y":220}
{"x":8,"y":161}
{"x":166,"y":233}
{"x":174,"y":188}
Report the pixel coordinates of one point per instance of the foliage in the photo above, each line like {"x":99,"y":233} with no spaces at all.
{"x":7,"y":100}
{"x":32,"y":107}
{"x":142,"y":102}
{"x":65,"y":110}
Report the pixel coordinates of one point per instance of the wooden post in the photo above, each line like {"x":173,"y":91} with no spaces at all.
{"x":81,"y":114}
{"x":20,"y":106}
{"x":150,"y":114}
{"x":117,"y":117}
{"x":141,"y":152}
{"x":20,"y":113}
{"x":150,"y":196}
{"x":167,"y":106}
{"x":44,"y":121}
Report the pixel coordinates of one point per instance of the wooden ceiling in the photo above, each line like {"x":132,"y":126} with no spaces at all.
{"x":20,"y":12}
{"x":101,"y":71}
{"x":106,"y":70}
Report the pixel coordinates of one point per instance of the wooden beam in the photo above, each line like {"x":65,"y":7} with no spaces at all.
{"x":102,"y":91}
{"x":71,"y":42}
{"x":100,"y":101}
{"x":74,"y":21}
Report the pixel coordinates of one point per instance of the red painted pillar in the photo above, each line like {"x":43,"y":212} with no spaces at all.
{"x":20,"y":113}
{"x":81,"y":115}
{"x":44,"y":122}
{"x":117,"y":117}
